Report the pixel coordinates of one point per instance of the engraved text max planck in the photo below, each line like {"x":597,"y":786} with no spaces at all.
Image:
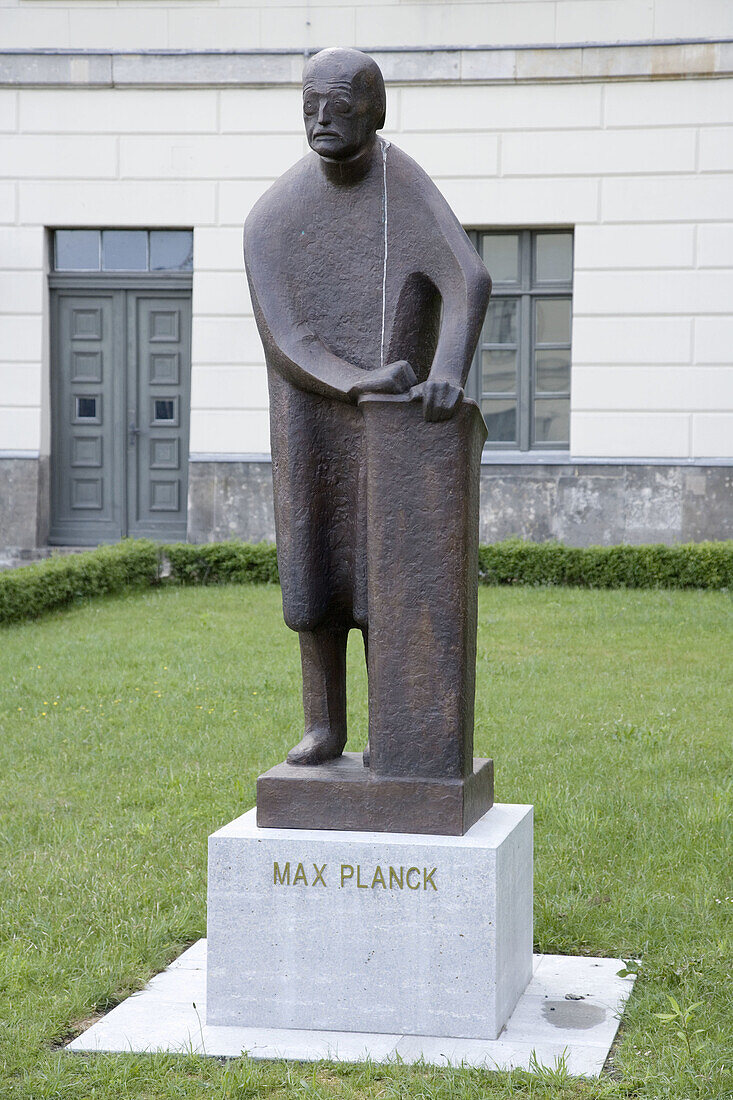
{"x":354,"y":875}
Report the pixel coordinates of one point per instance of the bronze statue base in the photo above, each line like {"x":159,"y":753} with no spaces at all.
{"x":343,"y":794}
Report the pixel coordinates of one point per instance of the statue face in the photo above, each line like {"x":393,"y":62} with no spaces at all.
{"x":339,"y":120}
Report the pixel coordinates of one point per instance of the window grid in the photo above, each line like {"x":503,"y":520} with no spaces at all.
{"x":128,"y":251}
{"x":527,"y":292}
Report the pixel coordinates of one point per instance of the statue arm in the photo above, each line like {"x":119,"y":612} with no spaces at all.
{"x":464,"y":285}
{"x":301,"y":356}
{"x":291,"y":344}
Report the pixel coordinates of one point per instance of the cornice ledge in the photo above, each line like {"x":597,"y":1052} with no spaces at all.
{"x":585,"y":62}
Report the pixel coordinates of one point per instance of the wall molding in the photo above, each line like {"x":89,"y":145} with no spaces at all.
{"x":576,"y":63}
{"x":206,"y":456}
{"x":507,"y":458}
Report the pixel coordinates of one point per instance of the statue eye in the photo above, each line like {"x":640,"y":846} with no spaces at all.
{"x":309,"y":106}
{"x":342,"y":106}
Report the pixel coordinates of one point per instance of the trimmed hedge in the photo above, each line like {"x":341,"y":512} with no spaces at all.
{"x":688,"y":565}
{"x":30,"y":591}
{"x":222,"y":563}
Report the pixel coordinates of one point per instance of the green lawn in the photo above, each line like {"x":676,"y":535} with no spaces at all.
{"x":133,"y":727}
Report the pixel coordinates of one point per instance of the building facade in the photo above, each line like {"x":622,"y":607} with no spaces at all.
{"x":586,"y":145}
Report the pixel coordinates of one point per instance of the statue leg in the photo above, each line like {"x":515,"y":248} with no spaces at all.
{"x":323,"y":657}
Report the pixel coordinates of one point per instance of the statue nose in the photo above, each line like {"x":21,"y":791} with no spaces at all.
{"x":324,"y":116}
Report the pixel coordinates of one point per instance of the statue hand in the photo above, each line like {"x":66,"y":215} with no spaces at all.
{"x":397,"y":377}
{"x":441,"y":400}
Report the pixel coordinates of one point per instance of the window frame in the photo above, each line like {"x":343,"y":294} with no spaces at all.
{"x":116,"y":273}
{"x":525,"y":291}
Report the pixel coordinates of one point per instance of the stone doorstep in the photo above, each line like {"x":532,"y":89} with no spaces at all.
{"x":571,"y":1008}
{"x":12,"y":557}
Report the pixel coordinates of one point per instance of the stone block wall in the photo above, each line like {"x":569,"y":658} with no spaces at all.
{"x":230,"y":500}
{"x":588,"y":505}
{"x":24,"y":492}
{"x":252,"y":24}
{"x":578,"y":504}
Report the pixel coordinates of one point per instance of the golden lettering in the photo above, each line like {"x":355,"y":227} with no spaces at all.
{"x":396,"y":878}
{"x":378,"y":879}
{"x":281,"y":877}
{"x":300,"y":875}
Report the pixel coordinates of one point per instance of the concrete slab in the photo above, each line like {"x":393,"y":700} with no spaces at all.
{"x":571,"y":1009}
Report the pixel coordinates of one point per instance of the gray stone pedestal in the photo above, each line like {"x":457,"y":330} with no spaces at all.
{"x":370,"y":932}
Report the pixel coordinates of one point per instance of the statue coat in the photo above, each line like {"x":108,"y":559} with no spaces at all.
{"x":314,"y":248}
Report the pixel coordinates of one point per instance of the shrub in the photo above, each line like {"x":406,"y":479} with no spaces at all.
{"x":30,"y":591}
{"x":692,"y":565}
{"x":222,"y":563}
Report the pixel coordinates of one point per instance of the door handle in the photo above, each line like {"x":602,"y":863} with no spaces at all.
{"x":134,"y":431}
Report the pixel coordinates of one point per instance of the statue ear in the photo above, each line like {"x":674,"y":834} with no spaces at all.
{"x":381,"y":120}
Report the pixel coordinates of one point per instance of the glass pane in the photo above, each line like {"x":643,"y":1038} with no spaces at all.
{"x":501,"y":321}
{"x":553,"y":257}
{"x":501,"y":420}
{"x":164,"y":409}
{"x":77,"y":250}
{"x":124,"y":250}
{"x":500,"y":253}
{"x":552,"y":321}
{"x":86,"y":408}
{"x":552,"y":420}
{"x":171,"y":250}
{"x":498,"y":371}
{"x":552,"y":371}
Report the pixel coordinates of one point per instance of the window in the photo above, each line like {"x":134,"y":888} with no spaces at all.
{"x":521,"y":374}
{"x":86,"y":408}
{"x":123,"y":250}
{"x":164,"y":408}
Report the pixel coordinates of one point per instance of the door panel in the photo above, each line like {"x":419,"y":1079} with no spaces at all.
{"x":158,"y":371}
{"x":120,"y":384}
{"x":86,"y":388}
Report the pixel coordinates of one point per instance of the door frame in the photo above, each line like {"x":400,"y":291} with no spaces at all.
{"x":106,"y":282}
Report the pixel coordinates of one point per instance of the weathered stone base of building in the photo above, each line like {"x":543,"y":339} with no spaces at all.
{"x":24,"y":506}
{"x":589,"y":504}
{"x":373,"y":932}
{"x":578,"y":503}
{"x":230,"y":500}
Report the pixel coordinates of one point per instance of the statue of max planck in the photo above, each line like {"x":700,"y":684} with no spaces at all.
{"x":363,"y":282}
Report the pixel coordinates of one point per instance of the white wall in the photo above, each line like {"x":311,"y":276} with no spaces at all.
{"x":217,"y":24}
{"x":642,"y":170}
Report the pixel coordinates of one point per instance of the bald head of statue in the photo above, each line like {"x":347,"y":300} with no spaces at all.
{"x":344,"y":102}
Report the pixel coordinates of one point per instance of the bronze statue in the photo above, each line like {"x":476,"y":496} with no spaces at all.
{"x":369,"y":299}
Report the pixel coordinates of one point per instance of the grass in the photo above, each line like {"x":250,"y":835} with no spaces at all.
{"x":134,"y":726}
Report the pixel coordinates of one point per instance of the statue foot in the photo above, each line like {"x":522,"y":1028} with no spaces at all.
{"x":317,"y":747}
{"x":366,"y":757}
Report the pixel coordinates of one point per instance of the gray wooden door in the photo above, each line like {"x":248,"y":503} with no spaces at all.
{"x":120,"y":384}
{"x":159,"y":367}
